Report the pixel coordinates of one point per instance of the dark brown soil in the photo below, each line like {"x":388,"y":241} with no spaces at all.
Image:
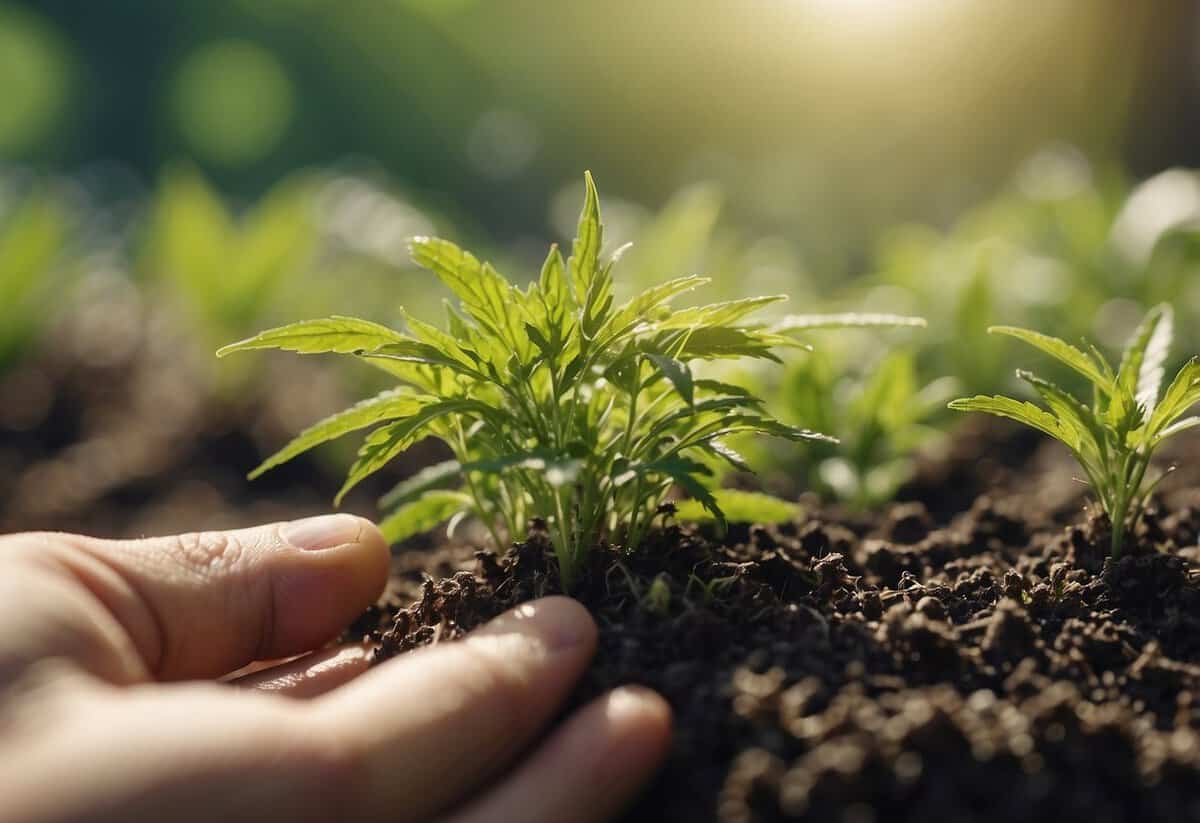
{"x":995,"y":667}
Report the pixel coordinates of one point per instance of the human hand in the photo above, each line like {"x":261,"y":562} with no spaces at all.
{"x":105,"y":714}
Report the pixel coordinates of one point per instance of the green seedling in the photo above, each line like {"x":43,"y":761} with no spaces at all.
{"x":227,"y":269}
{"x":557,"y":403}
{"x":34,"y":238}
{"x":881,"y":417}
{"x":1130,"y":416}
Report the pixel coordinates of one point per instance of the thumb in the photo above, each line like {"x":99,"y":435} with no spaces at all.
{"x":202,"y":605}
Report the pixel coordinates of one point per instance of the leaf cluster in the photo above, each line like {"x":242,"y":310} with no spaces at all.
{"x":557,"y":402}
{"x":880,"y":416}
{"x":1130,"y":415}
{"x":226,"y":267}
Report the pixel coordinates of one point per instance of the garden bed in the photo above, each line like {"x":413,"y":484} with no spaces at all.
{"x":989,"y":664}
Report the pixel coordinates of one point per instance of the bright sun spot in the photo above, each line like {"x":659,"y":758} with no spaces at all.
{"x":871,"y":14}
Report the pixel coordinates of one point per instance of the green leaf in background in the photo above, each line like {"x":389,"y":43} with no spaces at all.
{"x":1113,"y":440}
{"x":31,"y":248}
{"x":740,"y":507}
{"x":847,"y":320}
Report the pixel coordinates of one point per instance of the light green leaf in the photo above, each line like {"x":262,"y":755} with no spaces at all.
{"x":1074,"y":418}
{"x":1182,"y":393}
{"x":389,"y":405}
{"x":1060,"y":350}
{"x":1142,"y":365}
{"x":717,"y":314}
{"x":485,"y":293}
{"x":428,"y":478}
{"x":848,"y":320}
{"x":387,"y":442}
{"x":1019,"y":410}
{"x":553,"y":280}
{"x":336,"y":335}
{"x":733,"y":342}
{"x":585,"y":252}
{"x":422,"y":515}
{"x":740,"y":507}
{"x":1177,"y":427}
{"x":412,"y":351}
{"x":639,"y":306}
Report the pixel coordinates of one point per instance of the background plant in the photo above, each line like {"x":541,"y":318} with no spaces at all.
{"x":35,"y":232}
{"x":1130,"y":416}
{"x":225,"y":269}
{"x":556,"y":402}
{"x":879,"y":411}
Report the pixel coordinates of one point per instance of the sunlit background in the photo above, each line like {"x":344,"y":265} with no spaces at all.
{"x":823,"y":119}
{"x":175,"y":175}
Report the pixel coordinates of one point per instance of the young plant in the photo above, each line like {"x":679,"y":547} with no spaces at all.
{"x":1129,"y":417}
{"x":227,"y":268}
{"x":880,"y":416}
{"x":557,"y":403}
{"x":34,"y":240}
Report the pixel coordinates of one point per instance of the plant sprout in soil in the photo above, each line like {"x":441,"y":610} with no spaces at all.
{"x":558,"y":403}
{"x":1130,"y":415}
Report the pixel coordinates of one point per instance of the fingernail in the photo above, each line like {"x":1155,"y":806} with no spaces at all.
{"x":324,"y":532}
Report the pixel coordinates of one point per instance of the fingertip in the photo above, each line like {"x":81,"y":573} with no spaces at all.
{"x":376,"y":553}
{"x":344,"y":540}
{"x":640,"y":722}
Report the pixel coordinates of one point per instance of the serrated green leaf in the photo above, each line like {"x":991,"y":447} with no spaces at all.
{"x":678,"y":373}
{"x":1060,"y":350}
{"x":553,"y":280}
{"x":717,"y":314}
{"x":387,"y":442}
{"x":427,"y":479}
{"x":488,"y":297}
{"x":419,"y":516}
{"x":848,"y":320}
{"x":585,"y":251}
{"x":740,"y":507}
{"x":1177,"y":427}
{"x":388,"y":405}
{"x":726,"y":342}
{"x":328,"y":335}
{"x":1019,"y":410}
{"x":1074,"y":418}
{"x":1142,"y":366}
{"x":731,"y":456}
{"x":1182,"y":393}
{"x":412,"y":351}
{"x":641,"y":305}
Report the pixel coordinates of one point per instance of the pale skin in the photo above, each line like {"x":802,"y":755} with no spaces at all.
{"x":116,"y":704}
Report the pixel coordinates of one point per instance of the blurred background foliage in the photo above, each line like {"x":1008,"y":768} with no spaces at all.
{"x":177,"y":175}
